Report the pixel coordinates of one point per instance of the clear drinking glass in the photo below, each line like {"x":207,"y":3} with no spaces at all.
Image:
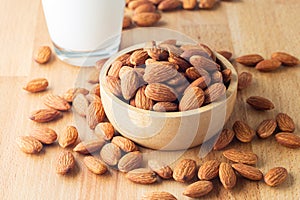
{"x":84,"y":31}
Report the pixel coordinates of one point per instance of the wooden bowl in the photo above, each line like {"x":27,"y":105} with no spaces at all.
{"x":167,"y":130}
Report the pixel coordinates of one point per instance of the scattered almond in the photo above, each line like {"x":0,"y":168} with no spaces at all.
{"x":130,"y":161}
{"x":288,"y":140}
{"x":185,"y":170}
{"x":95,"y":165}
{"x":44,"y":135}
{"x":44,"y":115}
{"x":260,"y":103}
{"x":268,"y":65}
{"x":65,"y":162}
{"x":224,"y":139}
{"x":227,"y":176}
{"x":189,"y":4}
{"x":42,"y":55}
{"x":266,"y":128}
{"x":209,"y":170}
{"x":36,"y":85}
{"x":95,"y":114}
{"x":207,"y":4}
{"x":105,"y":130}
{"x":142,"y":176}
{"x":162,"y":170}
{"x":68,"y":137}
{"x":71,"y":93}
{"x":146,"y":18}
{"x":244,"y":80}
{"x":243,"y":131}
{"x":124,"y":143}
{"x":29,"y":144}
{"x":56,"y":102}
{"x":285,"y":58}
{"x":250,"y":59}
{"x":285,"y":122}
{"x":168,"y":5}
{"x":198,"y":189}
{"x":80,"y":104}
{"x":157,"y":195}
{"x":248,"y":172}
{"x":275,"y":176}
{"x":110,"y":154}
{"x":246,"y":157}
{"x":90,"y":146}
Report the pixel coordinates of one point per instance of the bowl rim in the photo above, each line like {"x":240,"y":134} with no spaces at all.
{"x":229,"y":92}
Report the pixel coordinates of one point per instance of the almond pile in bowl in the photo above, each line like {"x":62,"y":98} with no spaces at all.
{"x":169,"y":77}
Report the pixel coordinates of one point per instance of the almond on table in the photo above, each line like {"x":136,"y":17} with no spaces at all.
{"x":276,"y":176}
{"x":260,"y":103}
{"x":249,"y":59}
{"x":42,"y":55}
{"x":29,"y":144}
{"x":36,"y":85}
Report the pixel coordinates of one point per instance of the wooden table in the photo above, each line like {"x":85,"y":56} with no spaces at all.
{"x":239,"y":26}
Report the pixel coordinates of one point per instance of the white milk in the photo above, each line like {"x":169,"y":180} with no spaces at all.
{"x":84,"y":25}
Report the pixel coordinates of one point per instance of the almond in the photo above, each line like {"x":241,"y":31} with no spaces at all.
{"x":94,"y":76}
{"x":44,"y":135}
{"x":243,"y":131}
{"x":56,"y":102}
{"x":244,"y":80}
{"x":227,"y":176}
{"x":141,"y":100}
{"x":207,"y":4}
{"x":129,"y":84}
{"x":288,"y":140}
{"x":165,"y":107}
{"x":159,"y":72}
{"x":68,"y":137}
{"x":167,"y":5}
{"x":183,"y":64}
{"x":185,"y":170}
{"x":204,"y":63}
{"x":198,"y":189}
{"x":92,"y":97}
{"x":142,"y":176}
{"x":130,"y":161}
{"x":285,"y":58}
{"x":90,"y":146}
{"x":125,"y":69}
{"x":125,"y":59}
{"x":215,"y":92}
{"x":115,"y":69}
{"x":246,"y":157}
{"x":36,"y":85}
{"x":114,"y":85}
{"x":44,"y":115}
{"x":80,"y":104}
{"x":42,"y":55}
{"x":266,"y":128}
{"x":250,"y":59}
{"x":268,"y":65}
{"x":248,"y":172}
{"x":192,"y":73}
{"x":65,"y":162}
{"x":160,"y":92}
{"x":158,"y":195}
{"x":201,"y":82}
{"x":155,"y":2}
{"x":95,"y":90}
{"x":29,"y":144}
{"x":162,"y":170}
{"x":171,"y":48}
{"x":285,"y":122}
{"x":177,"y":80}
{"x":193,"y":98}
{"x":146,"y":18}
{"x":189,"y":4}
{"x":94,"y":165}
{"x":95,"y":114}
{"x":110,"y":154}
{"x":275,"y":176}
{"x":225,"y":54}
{"x":155,"y":52}
{"x":126,"y":22}
{"x":217,"y":77}
{"x":260,"y":103}
{"x":105,"y":130}
{"x":209,"y":170}
{"x":224,"y":139}
{"x":138,"y":57}
{"x":146,"y":7}
{"x":124,"y":143}
{"x":71,"y":93}
{"x":136,"y":3}
{"x":226,"y":75}
{"x":193,"y":50}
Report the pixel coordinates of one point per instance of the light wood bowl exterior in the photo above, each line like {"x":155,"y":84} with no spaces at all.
{"x":170,"y":130}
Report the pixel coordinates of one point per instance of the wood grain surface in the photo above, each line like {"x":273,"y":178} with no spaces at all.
{"x":248,"y":26}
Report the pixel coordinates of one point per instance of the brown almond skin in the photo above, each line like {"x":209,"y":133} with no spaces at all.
{"x":80,"y":104}
{"x":157,"y":72}
{"x":249,"y":60}
{"x":160,"y":92}
{"x":110,"y":154}
{"x":248,"y":172}
{"x":95,"y":114}
{"x":225,"y":54}
{"x":68,"y":137}
{"x":146,"y":19}
{"x":209,"y":170}
{"x":56,"y":102}
{"x":42,"y":55}
{"x":268,"y":65}
{"x":162,"y":170}
{"x":193,"y":98}
{"x":185,"y":170}
{"x":95,"y":165}
{"x":244,"y":80}
{"x":134,"y":4}
{"x":226,"y":74}
{"x":130,"y":161}
{"x":189,"y":4}
{"x":142,"y":176}
{"x":214,"y":92}
{"x":165,"y":107}
{"x":146,"y":7}
{"x":243,"y":131}
{"x":36,"y":85}
{"x":266,"y":128}
{"x":207,"y":4}
{"x":260,"y":103}
{"x":285,"y":122}
{"x":198,"y":189}
{"x":275,"y":176}
{"x":289,"y":140}
{"x":105,"y":130}
{"x":168,"y":5}
{"x":157,"y":195}
{"x":142,"y":101}
{"x":65,"y":162}
{"x":124,"y":143}
{"x":285,"y":58}
{"x":227,"y":176}
{"x":205,"y":63}
{"x":245,"y":157}
{"x":224,"y":139}
{"x":130,"y":83}
{"x":45,"y":115}
{"x":90,"y":146}
{"x":29,"y":144}
{"x":44,"y":135}
{"x":114,"y":85}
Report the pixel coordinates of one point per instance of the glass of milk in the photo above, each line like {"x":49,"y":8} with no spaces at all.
{"x":84,"y":31}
